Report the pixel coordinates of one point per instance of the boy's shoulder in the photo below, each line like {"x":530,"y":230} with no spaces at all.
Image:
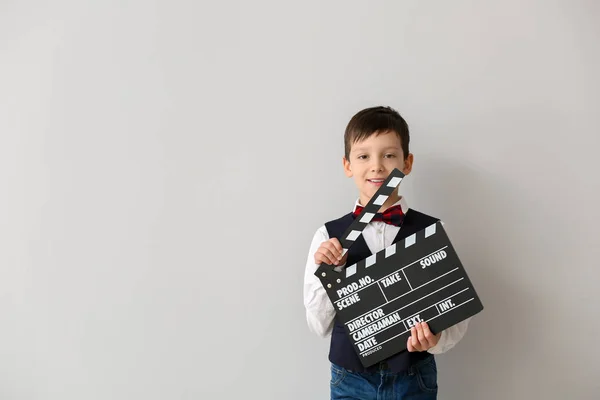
{"x":344,"y":220}
{"x":418,"y":216}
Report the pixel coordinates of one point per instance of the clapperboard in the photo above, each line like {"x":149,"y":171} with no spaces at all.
{"x":419,"y":278}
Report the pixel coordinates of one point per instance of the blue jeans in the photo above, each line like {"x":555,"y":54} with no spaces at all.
{"x":418,"y":383}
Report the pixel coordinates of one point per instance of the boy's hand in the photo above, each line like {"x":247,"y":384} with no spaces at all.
{"x":421,"y":338}
{"x":330,"y":252}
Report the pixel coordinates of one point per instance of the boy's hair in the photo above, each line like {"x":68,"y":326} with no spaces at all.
{"x":376,"y":120}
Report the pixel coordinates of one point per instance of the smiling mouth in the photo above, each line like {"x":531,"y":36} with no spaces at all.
{"x":376,"y":182}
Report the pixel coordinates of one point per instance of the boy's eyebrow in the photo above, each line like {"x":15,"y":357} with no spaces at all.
{"x":359,"y":148}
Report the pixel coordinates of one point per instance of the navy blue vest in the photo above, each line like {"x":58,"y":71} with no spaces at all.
{"x":341,"y":351}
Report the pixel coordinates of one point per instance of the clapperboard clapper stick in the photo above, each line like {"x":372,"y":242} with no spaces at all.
{"x":419,"y":278}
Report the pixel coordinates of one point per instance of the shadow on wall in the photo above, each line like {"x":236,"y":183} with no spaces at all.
{"x":475,"y":206}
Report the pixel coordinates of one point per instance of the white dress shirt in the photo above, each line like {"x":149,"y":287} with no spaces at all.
{"x":320,"y":313}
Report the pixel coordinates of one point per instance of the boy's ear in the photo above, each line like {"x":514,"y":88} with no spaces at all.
{"x":347,"y":167}
{"x":408,"y":163}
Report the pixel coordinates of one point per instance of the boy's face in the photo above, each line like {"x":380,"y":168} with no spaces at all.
{"x":371,"y":161}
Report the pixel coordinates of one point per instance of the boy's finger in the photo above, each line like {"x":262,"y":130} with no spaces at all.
{"x":330,"y":255}
{"x":428,"y":334}
{"x":325,"y":256}
{"x":421,"y":337}
{"x":413,"y":338}
{"x":409,"y":345}
{"x":337,"y":245}
{"x":337,"y":254}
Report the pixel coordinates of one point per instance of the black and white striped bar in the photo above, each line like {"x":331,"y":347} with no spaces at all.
{"x":362,"y":220}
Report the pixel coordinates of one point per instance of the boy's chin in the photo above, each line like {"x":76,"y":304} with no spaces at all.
{"x":369,"y":195}
{"x":371,"y":191}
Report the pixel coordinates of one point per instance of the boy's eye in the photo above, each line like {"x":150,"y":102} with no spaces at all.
{"x":390,"y":155}
{"x":362,"y":157}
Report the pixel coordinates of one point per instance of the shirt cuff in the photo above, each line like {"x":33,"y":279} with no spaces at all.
{"x":450,"y":337}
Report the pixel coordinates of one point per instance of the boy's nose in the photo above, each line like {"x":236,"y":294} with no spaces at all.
{"x":376,"y":167}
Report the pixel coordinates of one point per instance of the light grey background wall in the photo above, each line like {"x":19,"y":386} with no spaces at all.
{"x":164,"y":165}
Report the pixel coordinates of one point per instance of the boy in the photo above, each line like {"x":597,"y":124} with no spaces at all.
{"x":376,"y":141}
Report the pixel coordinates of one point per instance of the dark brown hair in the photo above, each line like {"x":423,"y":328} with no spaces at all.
{"x":376,"y":120}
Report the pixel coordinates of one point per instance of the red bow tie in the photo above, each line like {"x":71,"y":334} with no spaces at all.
{"x":392,"y":216}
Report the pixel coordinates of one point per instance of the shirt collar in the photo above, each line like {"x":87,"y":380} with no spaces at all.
{"x":401,"y":201}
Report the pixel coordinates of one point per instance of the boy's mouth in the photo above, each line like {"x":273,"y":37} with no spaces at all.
{"x":377,"y":182}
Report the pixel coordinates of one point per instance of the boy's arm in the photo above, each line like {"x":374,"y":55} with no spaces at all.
{"x":450,"y":337}
{"x":319,"y":310}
